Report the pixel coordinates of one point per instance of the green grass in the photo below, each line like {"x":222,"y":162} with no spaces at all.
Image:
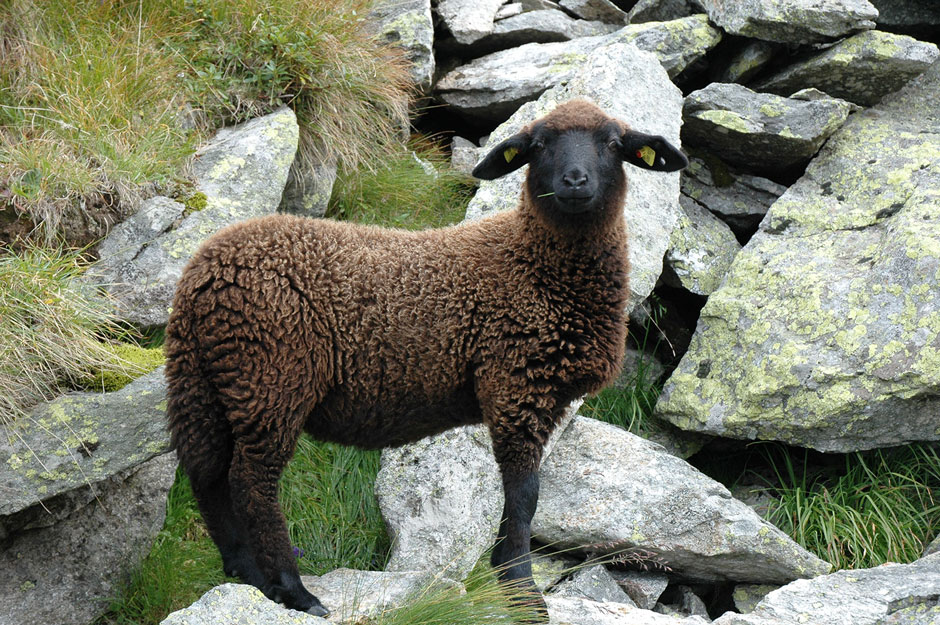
{"x":401,"y":192}
{"x":55,"y":332}
{"x":333,"y":516}
{"x":860,"y":512}
{"x":93,"y":95}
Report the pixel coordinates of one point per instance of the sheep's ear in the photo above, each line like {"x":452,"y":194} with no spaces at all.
{"x":506,"y":157}
{"x":651,"y":152}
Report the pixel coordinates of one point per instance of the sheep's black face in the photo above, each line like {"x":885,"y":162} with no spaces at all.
{"x":575,"y":170}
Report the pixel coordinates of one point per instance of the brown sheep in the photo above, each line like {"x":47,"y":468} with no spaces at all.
{"x":374,"y":337}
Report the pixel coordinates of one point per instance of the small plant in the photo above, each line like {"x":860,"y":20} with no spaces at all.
{"x":872,"y":508}
{"x":55,"y":331}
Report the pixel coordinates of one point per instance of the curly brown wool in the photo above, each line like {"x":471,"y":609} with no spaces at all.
{"x":374,"y":337}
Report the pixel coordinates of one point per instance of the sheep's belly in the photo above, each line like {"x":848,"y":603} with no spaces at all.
{"x":377,"y":424}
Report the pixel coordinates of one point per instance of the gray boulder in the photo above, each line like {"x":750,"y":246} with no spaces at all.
{"x":791,"y":21}
{"x":242,"y":173}
{"x":878,"y":596}
{"x":407,"y":24}
{"x":747,"y":596}
{"x":919,"y":18}
{"x":700,"y":251}
{"x":356,"y":596}
{"x":241,"y":604}
{"x":442,"y":498}
{"x":600,"y":10}
{"x":658,"y":11}
{"x":861,"y":69}
{"x":606,"y":490}
{"x":826,"y":330}
{"x":759,"y":131}
{"x":651,"y":206}
{"x":468,"y":20}
{"x":580,"y":611}
{"x":542,"y":26}
{"x":643,"y":587}
{"x":84,"y":484}
{"x":594,"y":583}
{"x":493,"y":86}
{"x":740,"y":200}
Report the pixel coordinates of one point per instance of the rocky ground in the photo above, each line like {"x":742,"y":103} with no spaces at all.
{"x":805,"y":230}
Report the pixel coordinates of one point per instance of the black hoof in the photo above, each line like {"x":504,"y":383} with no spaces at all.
{"x":318,"y":610}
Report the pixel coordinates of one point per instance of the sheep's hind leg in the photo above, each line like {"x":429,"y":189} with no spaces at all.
{"x":259,"y":458}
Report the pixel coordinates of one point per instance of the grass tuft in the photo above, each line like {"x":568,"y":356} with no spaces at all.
{"x":415,"y":187}
{"x":55,"y":331}
{"x":872,"y":508}
{"x":102,"y":103}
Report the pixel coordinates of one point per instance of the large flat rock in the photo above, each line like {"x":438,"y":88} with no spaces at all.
{"x":791,"y":21}
{"x":826,"y":331}
{"x":607,"y":490}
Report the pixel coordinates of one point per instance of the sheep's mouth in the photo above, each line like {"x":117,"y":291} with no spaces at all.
{"x":575,"y":203}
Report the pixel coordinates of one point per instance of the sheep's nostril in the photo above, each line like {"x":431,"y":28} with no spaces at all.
{"x":575,"y":178}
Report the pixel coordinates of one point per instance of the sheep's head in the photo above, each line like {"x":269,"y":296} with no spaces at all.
{"x":575,"y":156}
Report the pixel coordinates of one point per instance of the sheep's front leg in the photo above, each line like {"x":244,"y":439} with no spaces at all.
{"x":510,"y":555}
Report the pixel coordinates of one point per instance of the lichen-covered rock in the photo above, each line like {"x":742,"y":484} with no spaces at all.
{"x":759,"y":131}
{"x":65,"y":566}
{"x":492,"y":87}
{"x":241,"y":173}
{"x":407,"y":24}
{"x":308,"y":188}
{"x":72,"y":443}
{"x":740,"y":200}
{"x":826,"y":331}
{"x":791,"y":21}
{"x":155,"y":216}
{"x":241,"y":604}
{"x":594,"y":583}
{"x":855,"y":597}
{"x":600,"y":10}
{"x":651,"y":206}
{"x":861,"y":69}
{"x":580,"y":611}
{"x":700,"y":251}
{"x":749,"y":60}
{"x":607,"y":490}
{"x":918,"y":18}
{"x":354,"y":596}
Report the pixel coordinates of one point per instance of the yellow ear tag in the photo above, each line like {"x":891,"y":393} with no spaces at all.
{"x":648,"y":154}
{"x":510,"y":153}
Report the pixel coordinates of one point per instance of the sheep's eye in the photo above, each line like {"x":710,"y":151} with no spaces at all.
{"x":538,"y":144}
{"x":613,"y":145}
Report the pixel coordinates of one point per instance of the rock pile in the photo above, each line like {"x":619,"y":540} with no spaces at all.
{"x":805,"y":229}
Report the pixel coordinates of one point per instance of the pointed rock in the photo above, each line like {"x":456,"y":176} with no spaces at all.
{"x":659,"y":504}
